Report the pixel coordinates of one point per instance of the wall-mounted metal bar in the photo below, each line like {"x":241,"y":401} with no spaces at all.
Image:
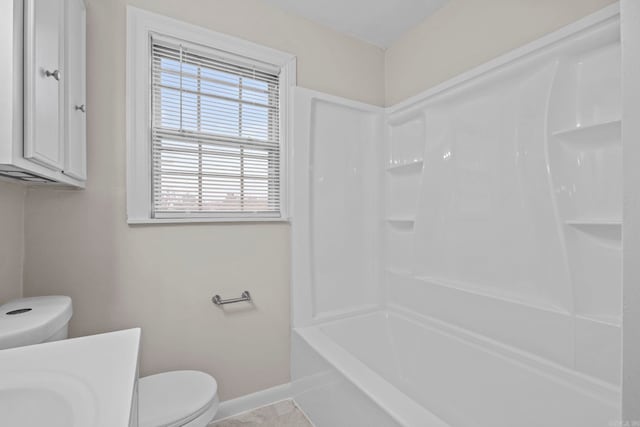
{"x":217,"y":300}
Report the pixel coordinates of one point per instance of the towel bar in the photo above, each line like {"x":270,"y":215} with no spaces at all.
{"x":217,"y":300}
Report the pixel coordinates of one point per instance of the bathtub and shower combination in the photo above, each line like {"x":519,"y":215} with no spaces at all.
{"x":457,"y":257}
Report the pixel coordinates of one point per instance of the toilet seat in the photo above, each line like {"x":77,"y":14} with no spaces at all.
{"x":177,"y":398}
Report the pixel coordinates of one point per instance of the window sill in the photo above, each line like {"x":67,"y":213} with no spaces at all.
{"x":159,"y":221}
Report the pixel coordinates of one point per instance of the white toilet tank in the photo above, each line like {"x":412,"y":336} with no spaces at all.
{"x":35,"y":320}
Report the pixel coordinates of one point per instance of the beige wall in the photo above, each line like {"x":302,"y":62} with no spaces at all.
{"x":466,"y":33}
{"x":12,"y":197}
{"x":162,"y":277}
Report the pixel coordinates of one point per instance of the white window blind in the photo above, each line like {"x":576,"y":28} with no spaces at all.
{"x":215,"y":135}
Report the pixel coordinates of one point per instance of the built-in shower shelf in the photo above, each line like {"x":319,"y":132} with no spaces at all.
{"x":401,"y":221}
{"x":413,"y":166}
{"x":607,"y":231}
{"x":608,"y":320}
{"x":596,"y":134}
{"x":594,"y":222}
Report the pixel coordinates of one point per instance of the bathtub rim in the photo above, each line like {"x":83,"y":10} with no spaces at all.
{"x":402,"y":407}
{"x":387,"y":397}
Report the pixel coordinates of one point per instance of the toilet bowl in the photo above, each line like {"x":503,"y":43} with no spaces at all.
{"x":177,"y":398}
{"x":169,"y":399}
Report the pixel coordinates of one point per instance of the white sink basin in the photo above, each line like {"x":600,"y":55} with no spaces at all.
{"x":46,"y":398}
{"x":83,"y":382}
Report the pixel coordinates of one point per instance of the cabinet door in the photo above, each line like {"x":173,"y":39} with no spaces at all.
{"x":75,"y":98}
{"x":44,"y":82}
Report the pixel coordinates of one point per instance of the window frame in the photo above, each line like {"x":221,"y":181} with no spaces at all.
{"x":141,"y":26}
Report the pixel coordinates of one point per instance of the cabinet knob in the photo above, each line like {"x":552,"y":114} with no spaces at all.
{"x":55,"y":74}
{"x":81,"y":108}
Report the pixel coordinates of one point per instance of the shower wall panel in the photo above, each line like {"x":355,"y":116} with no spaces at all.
{"x":336,"y":252}
{"x":503,"y":203}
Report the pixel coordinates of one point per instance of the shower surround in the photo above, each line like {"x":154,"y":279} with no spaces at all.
{"x":457,"y":257}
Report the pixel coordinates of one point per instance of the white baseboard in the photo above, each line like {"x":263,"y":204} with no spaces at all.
{"x":232,"y":407}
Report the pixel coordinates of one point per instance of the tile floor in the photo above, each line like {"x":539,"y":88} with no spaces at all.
{"x":280,"y":414}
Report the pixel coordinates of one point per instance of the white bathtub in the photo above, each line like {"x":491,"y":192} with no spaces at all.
{"x":394,"y":368}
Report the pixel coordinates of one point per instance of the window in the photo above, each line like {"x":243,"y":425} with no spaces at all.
{"x":215,"y":135}
{"x":206,"y":124}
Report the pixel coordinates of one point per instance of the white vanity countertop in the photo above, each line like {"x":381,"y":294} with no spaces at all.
{"x":87,"y":381}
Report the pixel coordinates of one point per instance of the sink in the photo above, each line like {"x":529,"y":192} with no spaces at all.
{"x":46,"y":398}
{"x":81,"y":382}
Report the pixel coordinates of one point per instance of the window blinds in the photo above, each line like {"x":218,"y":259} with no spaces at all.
{"x":215,"y":135}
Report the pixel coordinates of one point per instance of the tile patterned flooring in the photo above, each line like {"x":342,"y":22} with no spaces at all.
{"x":280,"y":414}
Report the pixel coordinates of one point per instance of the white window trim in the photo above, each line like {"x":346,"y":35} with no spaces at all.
{"x":140,"y":25}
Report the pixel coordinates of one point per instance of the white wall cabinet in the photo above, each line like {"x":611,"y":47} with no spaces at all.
{"x":44,"y":82}
{"x":44,"y":139}
{"x":75,"y":107}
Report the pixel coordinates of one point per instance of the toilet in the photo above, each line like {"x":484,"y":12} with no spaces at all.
{"x":169,"y":399}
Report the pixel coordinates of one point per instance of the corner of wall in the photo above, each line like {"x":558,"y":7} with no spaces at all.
{"x":12,"y":222}
{"x":462,"y":35}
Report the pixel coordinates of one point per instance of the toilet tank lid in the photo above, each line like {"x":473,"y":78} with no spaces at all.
{"x":33,"y":320}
